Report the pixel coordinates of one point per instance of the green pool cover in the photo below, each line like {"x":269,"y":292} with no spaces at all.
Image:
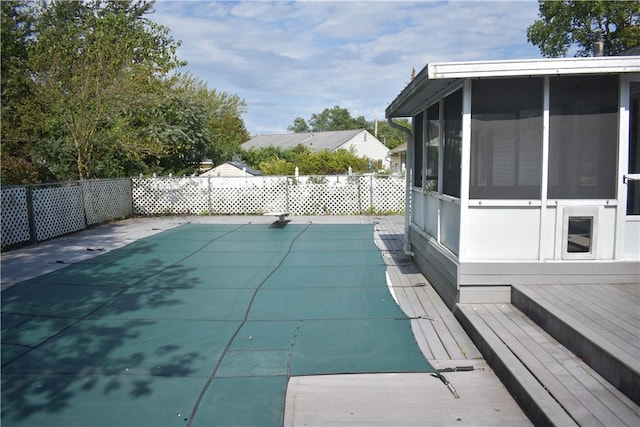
{"x":201,"y":325}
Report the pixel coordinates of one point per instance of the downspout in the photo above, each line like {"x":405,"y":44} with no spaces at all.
{"x":408,"y":178}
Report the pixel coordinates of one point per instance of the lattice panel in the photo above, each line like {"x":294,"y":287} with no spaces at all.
{"x":387,"y":194}
{"x":248,"y":195}
{"x":106,"y":199}
{"x":153,"y":196}
{"x":15,"y":219}
{"x":328,"y":195}
{"x":57,"y":211}
{"x":333,"y":195}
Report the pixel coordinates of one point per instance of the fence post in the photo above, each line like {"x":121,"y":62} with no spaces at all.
{"x":30,"y":215}
{"x":209,"y":195}
{"x":371,"y":207}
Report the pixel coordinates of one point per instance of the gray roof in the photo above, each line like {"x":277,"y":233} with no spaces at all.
{"x":316,"y":141}
{"x":241,"y":165}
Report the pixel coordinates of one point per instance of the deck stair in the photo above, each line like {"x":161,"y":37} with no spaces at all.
{"x":599,"y":323}
{"x":552,"y":384}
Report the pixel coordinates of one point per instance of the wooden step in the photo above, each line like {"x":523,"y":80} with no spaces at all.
{"x":598,"y":323}
{"x":551,"y":384}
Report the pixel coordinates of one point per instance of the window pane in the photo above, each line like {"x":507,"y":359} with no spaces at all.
{"x":417,"y":152}
{"x":433,"y":146}
{"x":506,"y":139}
{"x":452,"y":144}
{"x":583,"y":137}
{"x":579,"y":234}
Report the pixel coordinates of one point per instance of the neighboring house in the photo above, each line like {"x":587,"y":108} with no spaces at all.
{"x":231,"y":168}
{"x":363,"y":143}
{"x":523,"y":171}
{"x":398,"y":158}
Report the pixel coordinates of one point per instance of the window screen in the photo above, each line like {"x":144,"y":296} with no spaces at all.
{"x":506,"y":138}
{"x":433,"y":146}
{"x":583,"y":137}
{"x":452,"y":144}
{"x":418,"y":138}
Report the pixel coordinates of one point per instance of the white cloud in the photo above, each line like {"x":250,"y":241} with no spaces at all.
{"x":293,"y":59}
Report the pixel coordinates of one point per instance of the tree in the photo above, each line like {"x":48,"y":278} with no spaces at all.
{"x":18,"y":120}
{"x":390,"y":136}
{"x":91,"y":61}
{"x":569,"y":23}
{"x":337,"y":118}
{"x":299,"y":126}
{"x":330,"y":119}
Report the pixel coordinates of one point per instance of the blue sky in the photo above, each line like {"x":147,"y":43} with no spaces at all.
{"x":294,"y":59}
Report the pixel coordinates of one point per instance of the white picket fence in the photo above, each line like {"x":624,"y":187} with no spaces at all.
{"x":35,"y":213}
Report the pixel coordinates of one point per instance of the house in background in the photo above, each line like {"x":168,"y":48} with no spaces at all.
{"x":363,"y":143}
{"x":231,"y":168}
{"x":523,"y":171}
{"x":398,"y":158}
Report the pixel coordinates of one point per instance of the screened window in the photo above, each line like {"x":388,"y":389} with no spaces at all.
{"x":506,"y":138}
{"x":452,"y":144}
{"x":433,"y":146}
{"x":418,"y":128}
{"x":583,"y":137}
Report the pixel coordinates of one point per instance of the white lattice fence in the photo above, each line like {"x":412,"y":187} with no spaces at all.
{"x":324,"y":195}
{"x":330,"y":195}
{"x":106,"y":199}
{"x":154,"y":196}
{"x":40,"y":212}
{"x":15,"y":217}
{"x":57,"y":211}
{"x":387,"y":193}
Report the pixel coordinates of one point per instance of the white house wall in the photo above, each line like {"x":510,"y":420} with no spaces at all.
{"x":367,"y":145}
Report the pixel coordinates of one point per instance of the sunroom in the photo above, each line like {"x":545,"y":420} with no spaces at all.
{"x":523,"y":171}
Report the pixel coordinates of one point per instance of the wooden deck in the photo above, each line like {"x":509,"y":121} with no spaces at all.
{"x":599,"y":323}
{"x":438,"y":332}
{"x":552,"y":384}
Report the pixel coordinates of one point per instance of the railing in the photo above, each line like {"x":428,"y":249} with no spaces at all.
{"x":34,"y":213}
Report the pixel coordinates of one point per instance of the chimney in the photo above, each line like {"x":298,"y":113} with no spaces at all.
{"x":598,"y":44}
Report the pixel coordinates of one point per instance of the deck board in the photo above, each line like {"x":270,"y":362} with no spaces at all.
{"x":571,"y":308}
{"x":584,"y":394}
{"x":601,"y":309}
{"x":606,"y":404}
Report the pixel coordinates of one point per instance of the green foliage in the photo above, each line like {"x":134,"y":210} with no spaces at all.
{"x":275,"y":161}
{"x":299,"y":126}
{"x":390,"y":136}
{"x":568,"y":23}
{"x":88,"y":91}
{"x":330,"y":119}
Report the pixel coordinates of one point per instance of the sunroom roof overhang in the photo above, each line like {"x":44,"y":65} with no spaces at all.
{"x":438,"y":79}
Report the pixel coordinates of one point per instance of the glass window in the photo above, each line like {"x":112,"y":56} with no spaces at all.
{"x":506,"y":138}
{"x":418,"y":127}
{"x":433,"y":146}
{"x":583,"y":137}
{"x":452,"y":144}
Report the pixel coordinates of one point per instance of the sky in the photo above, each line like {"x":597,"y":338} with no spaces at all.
{"x":294,"y":59}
